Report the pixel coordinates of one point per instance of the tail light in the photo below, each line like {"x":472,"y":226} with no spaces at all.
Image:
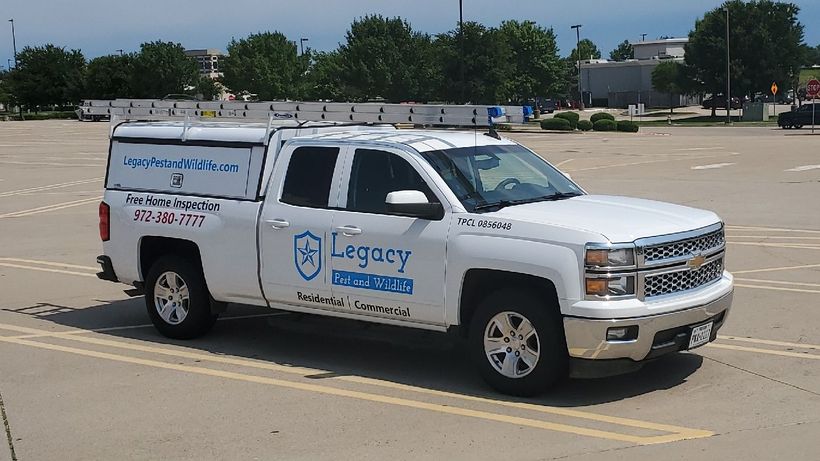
{"x":105,"y":222}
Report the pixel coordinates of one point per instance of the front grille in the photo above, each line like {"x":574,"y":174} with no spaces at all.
{"x":697,"y":245}
{"x":682,"y":280}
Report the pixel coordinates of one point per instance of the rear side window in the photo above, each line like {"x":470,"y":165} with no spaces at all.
{"x":307,"y":181}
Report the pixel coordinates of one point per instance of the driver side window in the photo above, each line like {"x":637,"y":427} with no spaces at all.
{"x":374,"y":174}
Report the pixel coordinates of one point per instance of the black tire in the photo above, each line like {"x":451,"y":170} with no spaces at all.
{"x":199,"y":318}
{"x":797,"y":126}
{"x":552,"y":363}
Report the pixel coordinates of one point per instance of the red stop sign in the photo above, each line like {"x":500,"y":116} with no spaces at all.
{"x":813,"y":88}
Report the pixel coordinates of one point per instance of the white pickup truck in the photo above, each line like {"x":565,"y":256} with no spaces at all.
{"x":427,"y":229}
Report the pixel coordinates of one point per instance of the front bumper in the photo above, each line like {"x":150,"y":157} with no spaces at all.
{"x":657,"y":334}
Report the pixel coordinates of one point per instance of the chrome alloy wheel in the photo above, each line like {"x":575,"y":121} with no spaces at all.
{"x":511,"y":344}
{"x":171,"y":298}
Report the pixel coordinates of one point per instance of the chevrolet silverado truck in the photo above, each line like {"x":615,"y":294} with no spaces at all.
{"x":432,"y":229}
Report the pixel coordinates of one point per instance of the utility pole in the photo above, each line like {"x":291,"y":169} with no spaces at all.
{"x":302,"y":45}
{"x":14,"y":42}
{"x":728,"y":73}
{"x":461,"y":46}
{"x":577,"y":28}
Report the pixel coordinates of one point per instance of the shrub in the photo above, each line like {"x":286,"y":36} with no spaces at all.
{"x":627,"y":126}
{"x":601,"y":116}
{"x":556,"y":123}
{"x":604,"y":125}
{"x":584,"y":125}
{"x":571,"y":117}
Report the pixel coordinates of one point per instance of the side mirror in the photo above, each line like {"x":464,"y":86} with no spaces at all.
{"x":414,"y":204}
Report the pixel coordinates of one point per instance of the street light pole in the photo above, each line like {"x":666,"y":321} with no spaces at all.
{"x":643,"y":37}
{"x":728,"y":73}
{"x":14,"y":41}
{"x":302,"y":45}
{"x":120,"y":51}
{"x":577,"y":28}
{"x":461,"y":46}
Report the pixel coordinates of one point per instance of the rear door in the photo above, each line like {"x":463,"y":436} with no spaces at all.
{"x":384,"y":265}
{"x":295,"y":225}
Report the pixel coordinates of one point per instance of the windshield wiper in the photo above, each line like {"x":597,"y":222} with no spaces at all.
{"x":505,"y":203}
{"x":562,"y":195}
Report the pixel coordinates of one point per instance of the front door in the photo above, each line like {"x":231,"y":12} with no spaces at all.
{"x":384,"y":265}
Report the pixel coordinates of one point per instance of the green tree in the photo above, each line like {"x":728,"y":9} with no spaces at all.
{"x":537,"y":69}
{"x":766,"y":46}
{"x":666,"y":78}
{"x":487,"y":66}
{"x":324,"y":79}
{"x":266,"y":64}
{"x":386,"y":58}
{"x":109,"y":77}
{"x":161,"y":68}
{"x":622,"y":52}
{"x":588,"y":51}
{"x":47,"y":76}
{"x":811,"y":56}
{"x":6,"y":97}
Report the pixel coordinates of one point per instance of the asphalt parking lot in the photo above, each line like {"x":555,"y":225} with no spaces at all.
{"x":83,"y":375}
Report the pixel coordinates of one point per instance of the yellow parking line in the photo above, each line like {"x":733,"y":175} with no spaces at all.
{"x":773,"y":269}
{"x":796,"y":290}
{"x":763,"y":351}
{"x":48,"y":187}
{"x":770,"y":342}
{"x":48,"y":208}
{"x":779,"y":282}
{"x":45,"y":269}
{"x":678,"y":433}
{"x":49,"y":263}
{"x":778,"y":245}
{"x":339,"y":392}
{"x":778,"y":237}
{"x":772,"y":229}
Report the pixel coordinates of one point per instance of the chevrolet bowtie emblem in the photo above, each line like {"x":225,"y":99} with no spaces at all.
{"x":696,"y":262}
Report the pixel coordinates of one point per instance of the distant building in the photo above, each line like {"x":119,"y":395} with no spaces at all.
{"x":619,"y":84}
{"x":208,"y":61}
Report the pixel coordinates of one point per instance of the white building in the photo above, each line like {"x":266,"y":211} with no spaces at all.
{"x":618,"y":84}
{"x":208,"y":60}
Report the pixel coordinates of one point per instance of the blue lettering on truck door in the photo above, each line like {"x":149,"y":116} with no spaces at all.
{"x":364,"y":256}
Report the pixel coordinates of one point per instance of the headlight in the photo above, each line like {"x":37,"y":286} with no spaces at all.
{"x":623,"y":285}
{"x":610,"y":257}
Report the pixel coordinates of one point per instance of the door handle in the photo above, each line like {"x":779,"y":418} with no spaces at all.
{"x":349,"y":231}
{"x":278,"y":223}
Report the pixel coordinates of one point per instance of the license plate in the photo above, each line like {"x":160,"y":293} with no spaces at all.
{"x":700,"y":335}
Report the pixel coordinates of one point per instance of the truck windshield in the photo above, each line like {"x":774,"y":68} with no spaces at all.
{"x":487,"y":178}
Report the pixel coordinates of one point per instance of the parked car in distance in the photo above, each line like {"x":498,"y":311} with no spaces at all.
{"x":547,"y":106}
{"x":719,"y":102}
{"x":798,"y":117}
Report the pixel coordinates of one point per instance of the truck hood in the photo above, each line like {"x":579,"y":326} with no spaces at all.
{"x":619,"y":219}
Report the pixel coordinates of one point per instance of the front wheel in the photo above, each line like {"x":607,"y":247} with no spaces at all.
{"x":517,"y":342}
{"x":177,"y":298}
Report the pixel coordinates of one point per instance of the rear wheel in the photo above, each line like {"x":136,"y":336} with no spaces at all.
{"x":517,"y":342}
{"x":798,"y":126}
{"x":177,"y":298}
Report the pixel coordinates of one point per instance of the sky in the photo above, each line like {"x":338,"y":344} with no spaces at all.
{"x":100,"y":27}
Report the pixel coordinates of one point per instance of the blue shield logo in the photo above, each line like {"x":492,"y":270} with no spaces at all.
{"x":307,"y":253}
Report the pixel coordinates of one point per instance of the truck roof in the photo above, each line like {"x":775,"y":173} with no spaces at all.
{"x":420,"y":140}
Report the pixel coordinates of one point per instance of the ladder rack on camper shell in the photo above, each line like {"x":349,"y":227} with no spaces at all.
{"x":418,"y":114}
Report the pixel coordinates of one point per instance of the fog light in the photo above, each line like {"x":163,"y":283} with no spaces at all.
{"x":622,"y":333}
